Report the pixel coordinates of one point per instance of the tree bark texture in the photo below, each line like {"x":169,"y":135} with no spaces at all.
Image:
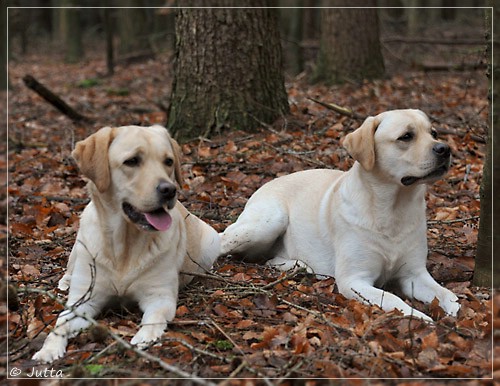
{"x":3,"y":48}
{"x":228,"y":70}
{"x":483,"y":266}
{"x":350,"y":45}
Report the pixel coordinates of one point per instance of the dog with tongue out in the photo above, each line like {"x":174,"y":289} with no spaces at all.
{"x":135,"y":240}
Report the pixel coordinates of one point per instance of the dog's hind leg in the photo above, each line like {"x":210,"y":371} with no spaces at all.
{"x":256,"y":231}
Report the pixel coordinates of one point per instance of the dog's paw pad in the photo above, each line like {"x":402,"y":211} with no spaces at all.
{"x":145,"y":336}
{"x":48,"y":355}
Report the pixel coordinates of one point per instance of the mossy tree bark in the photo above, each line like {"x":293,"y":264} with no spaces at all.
{"x":228,"y":70}
{"x":350,"y":45}
{"x":486,"y":238}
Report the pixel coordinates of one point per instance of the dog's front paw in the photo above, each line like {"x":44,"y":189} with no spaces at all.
{"x":450,"y":304}
{"x":49,"y":354}
{"x":417,"y":314}
{"x":448,"y":301}
{"x":146,"y":335}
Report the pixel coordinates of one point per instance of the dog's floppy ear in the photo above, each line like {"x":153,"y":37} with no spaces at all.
{"x":91,"y":155}
{"x":177,"y":161}
{"x":360,"y":144}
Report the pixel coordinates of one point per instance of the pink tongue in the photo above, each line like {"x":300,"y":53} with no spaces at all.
{"x":160,"y":220}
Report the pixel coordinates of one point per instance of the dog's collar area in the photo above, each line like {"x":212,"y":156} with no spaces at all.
{"x":157,"y":220}
{"x":410,"y":180}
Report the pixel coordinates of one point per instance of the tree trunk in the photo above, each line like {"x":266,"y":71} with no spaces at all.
{"x":108,"y":32}
{"x":228,"y":70}
{"x":133,"y":28}
{"x":72,"y":32}
{"x":483,"y":267}
{"x":55,"y":32}
{"x":350,"y":45}
{"x":413,"y":17}
{"x":3,"y":48}
{"x":449,"y":10}
{"x":297,"y":56}
{"x":310,"y":30}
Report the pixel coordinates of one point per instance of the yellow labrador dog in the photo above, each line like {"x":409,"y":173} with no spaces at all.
{"x":135,"y":237}
{"x":365,"y":227}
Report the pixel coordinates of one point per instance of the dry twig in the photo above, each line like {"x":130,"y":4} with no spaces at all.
{"x":339,"y":109}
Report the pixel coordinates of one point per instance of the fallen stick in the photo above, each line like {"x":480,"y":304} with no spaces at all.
{"x":339,"y":109}
{"x":453,"y":221}
{"x":53,"y":99}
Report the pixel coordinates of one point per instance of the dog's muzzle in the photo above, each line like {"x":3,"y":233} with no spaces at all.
{"x":158,"y":219}
{"x":442,"y":153}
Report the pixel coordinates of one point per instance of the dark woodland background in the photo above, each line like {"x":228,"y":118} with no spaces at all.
{"x":251,"y":94}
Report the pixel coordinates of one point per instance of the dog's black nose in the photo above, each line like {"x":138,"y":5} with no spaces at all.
{"x":166,"y":190}
{"x":441,"y":149}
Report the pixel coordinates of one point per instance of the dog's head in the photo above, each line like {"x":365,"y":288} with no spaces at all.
{"x":400,"y":145}
{"x":136,"y":169}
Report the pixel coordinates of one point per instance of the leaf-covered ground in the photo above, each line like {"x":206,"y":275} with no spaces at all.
{"x":244,"y":320}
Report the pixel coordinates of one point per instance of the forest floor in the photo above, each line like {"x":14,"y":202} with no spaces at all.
{"x":244,"y":320}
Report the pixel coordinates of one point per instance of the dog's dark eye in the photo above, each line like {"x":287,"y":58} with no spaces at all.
{"x":434,"y":134}
{"x":133,"y":161}
{"x":406,"y":137}
{"x":168,"y":161}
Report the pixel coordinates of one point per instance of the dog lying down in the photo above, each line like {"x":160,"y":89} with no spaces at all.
{"x":365,"y":227}
{"x":134,"y":238}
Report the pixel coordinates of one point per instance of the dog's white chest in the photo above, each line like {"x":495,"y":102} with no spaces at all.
{"x":395,"y":255}
{"x":391,"y":264}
